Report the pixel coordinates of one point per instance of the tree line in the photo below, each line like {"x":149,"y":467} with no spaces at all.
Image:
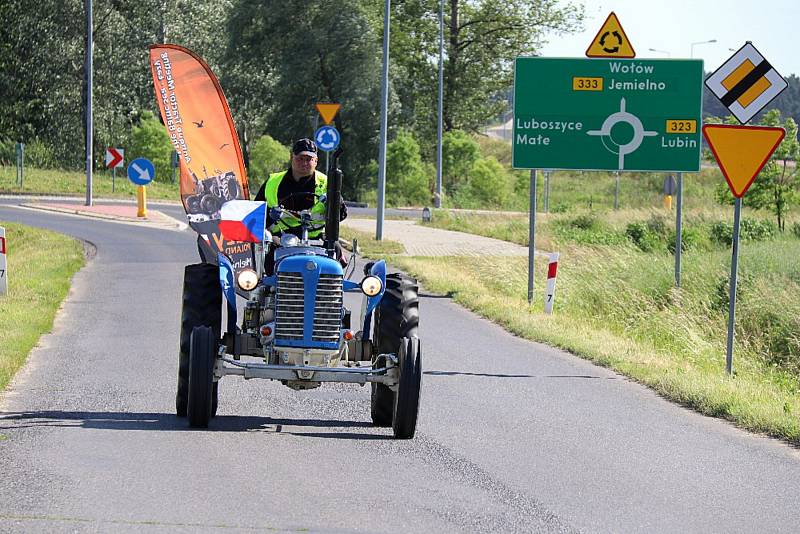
{"x":275,"y":60}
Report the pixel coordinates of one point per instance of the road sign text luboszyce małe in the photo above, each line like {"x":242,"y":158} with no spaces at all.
{"x":607,"y":114}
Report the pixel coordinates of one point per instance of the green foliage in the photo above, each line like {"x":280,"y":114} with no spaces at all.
{"x":38,"y":154}
{"x":459,"y":154}
{"x":776,"y":186}
{"x":690,"y":239}
{"x":266,"y":156}
{"x":796,"y":229}
{"x":586,"y":229}
{"x":406,"y":177}
{"x":642,"y":235}
{"x":150,"y":140}
{"x":749,"y":230}
{"x":489,"y":183}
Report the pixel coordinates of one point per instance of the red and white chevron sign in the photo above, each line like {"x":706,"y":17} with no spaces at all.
{"x":114,"y":157}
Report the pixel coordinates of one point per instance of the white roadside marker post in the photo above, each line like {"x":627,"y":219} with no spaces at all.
{"x":550,"y":292}
{"x":3,"y":268}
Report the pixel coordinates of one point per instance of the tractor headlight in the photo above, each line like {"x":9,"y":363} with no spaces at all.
{"x":371,"y":286}
{"x":247,"y":279}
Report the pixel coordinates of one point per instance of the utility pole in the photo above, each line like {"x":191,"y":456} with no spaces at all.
{"x":89,"y":125}
{"x":437,"y":198}
{"x":384,"y":113}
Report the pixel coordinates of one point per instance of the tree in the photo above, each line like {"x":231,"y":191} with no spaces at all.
{"x":776,"y":186}
{"x":267,"y":156}
{"x":150,"y":140}
{"x":331,"y":55}
{"x":482,"y":39}
{"x":459,"y":154}
{"x":489,"y":183}
{"x":406,"y":179}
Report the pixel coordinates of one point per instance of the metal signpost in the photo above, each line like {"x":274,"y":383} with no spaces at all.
{"x":3,"y":269}
{"x":741,"y":151}
{"x":115,"y":157}
{"x":745,"y":84}
{"x":20,"y":164}
{"x":606,"y":114}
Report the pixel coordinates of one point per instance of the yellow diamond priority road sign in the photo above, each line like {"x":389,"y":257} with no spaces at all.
{"x":746,"y":83}
{"x":611,"y":41}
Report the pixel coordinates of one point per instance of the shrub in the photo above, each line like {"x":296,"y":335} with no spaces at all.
{"x":150,"y":140}
{"x":749,"y":230}
{"x":796,"y":229}
{"x":584,"y":222}
{"x":42,"y":156}
{"x":489,"y":183}
{"x":266,"y":156}
{"x":460,"y":152}
{"x":689,"y":239}
{"x":642,"y":236}
{"x":406,"y":181}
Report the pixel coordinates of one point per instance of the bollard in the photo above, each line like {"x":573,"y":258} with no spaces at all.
{"x":20,"y":164}
{"x":141,"y":198}
{"x":3,"y":268}
{"x":550,"y":292}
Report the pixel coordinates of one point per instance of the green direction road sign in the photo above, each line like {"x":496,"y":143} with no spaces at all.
{"x":607,"y":114}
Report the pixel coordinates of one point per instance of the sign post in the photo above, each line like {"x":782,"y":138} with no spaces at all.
{"x":741,"y":151}
{"x":20,"y":163}
{"x":3,"y":268}
{"x":114,"y":159}
{"x":141,"y":172}
{"x":532,"y":236}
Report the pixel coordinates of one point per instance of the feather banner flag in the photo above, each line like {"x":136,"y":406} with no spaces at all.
{"x":199,"y":124}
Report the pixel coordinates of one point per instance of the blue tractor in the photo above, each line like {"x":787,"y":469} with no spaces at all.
{"x":295,"y":327}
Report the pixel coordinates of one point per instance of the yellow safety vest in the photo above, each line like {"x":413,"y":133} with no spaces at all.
{"x":289,"y":221}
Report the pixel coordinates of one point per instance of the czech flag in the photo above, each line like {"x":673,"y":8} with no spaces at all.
{"x":243,"y":220}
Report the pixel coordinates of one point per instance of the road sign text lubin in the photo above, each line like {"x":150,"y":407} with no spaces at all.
{"x":607,"y":114}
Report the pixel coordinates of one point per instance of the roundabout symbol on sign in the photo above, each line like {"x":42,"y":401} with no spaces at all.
{"x":639,"y":133}
{"x":327,"y":138}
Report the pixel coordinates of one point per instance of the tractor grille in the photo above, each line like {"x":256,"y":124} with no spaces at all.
{"x":290,"y":310}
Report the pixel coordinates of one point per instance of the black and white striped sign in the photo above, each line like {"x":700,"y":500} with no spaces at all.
{"x":746,"y":83}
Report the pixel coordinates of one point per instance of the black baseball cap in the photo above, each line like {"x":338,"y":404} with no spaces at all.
{"x":304,"y":146}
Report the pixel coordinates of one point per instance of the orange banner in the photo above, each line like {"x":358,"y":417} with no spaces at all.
{"x":199,"y":124}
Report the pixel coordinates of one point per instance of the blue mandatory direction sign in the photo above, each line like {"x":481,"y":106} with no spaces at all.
{"x":327,"y":138}
{"x":141,"y":171}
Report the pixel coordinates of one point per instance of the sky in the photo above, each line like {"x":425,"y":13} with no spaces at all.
{"x":672,"y":26}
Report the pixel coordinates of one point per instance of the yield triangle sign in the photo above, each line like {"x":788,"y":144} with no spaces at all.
{"x":742,"y":151}
{"x":328,"y":111}
{"x":611,"y":41}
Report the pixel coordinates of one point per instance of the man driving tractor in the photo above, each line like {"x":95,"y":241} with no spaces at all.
{"x":300,"y":187}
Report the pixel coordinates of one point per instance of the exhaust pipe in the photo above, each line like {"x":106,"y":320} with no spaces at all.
{"x":334,"y":196}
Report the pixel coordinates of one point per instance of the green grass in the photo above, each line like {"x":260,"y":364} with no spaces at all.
{"x":73,"y":183}
{"x":369,"y":247}
{"x":41,"y":265}
{"x":618,"y":308}
{"x":617,"y":304}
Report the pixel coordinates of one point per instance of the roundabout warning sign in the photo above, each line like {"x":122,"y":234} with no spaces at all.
{"x":607,"y":114}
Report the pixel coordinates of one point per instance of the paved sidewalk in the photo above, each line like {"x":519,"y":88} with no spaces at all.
{"x":420,"y":240}
{"x":125,"y":213}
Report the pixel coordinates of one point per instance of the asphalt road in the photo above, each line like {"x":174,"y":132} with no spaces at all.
{"x":513,"y":436}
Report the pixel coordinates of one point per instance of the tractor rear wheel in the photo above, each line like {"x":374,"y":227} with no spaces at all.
{"x":396,"y":318}
{"x":202,"y":306}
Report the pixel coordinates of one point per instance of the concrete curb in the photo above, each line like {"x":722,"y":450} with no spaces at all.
{"x":155,"y":218}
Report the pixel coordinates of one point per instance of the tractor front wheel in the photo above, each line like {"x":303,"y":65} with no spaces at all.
{"x":202,"y":354}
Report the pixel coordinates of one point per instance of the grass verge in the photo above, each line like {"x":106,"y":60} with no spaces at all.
{"x":618,"y":308}
{"x":41,"y":265}
{"x":73,"y":183}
